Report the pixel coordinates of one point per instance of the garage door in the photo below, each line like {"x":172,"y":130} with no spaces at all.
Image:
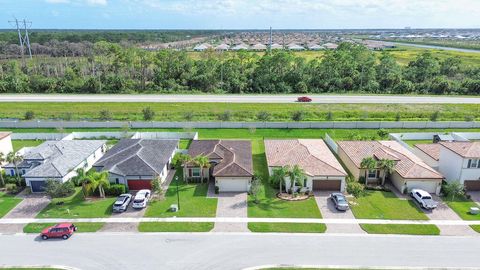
{"x":327,"y":185}
{"x":232,"y":185}
{"x":37,"y":186}
{"x":139,"y":184}
{"x":428,"y":186}
{"x":472,"y":185}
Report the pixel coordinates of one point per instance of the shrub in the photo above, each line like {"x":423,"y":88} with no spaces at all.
{"x":255,"y":187}
{"x":115,"y":190}
{"x":29,"y":115}
{"x":355,"y":188}
{"x":329,"y":116}
{"x":453,"y":189}
{"x":263,"y":116}
{"x":298,"y":116}
{"x":361,"y":180}
{"x":188,"y":116}
{"x":225,"y":116}
{"x":434,"y":116}
{"x":398,"y":117}
{"x":11,"y":188}
{"x":217,"y":190}
{"x":382,"y":133}
{"x":148,"y":114}
{"x":469,"y":118}
{"x":55,"y":189}
{"x":105,"y":115}
{"x":68,"y":116}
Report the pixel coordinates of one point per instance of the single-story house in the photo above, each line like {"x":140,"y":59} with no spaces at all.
{"x":231,"y":163}
{"x":5,"y":144}
{"x":460,"y":161}
{"x":57,"y":160}
{"x":409,"y":170}
{"x":322,"y":169}
{"x":136,"y":162}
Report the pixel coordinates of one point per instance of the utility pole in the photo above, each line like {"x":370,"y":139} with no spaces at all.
{"x":23,"y":38}
{"x":271,"y":40}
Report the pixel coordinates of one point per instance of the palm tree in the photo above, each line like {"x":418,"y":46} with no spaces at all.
{"x":81,"y":174}
{"x":183,"y":160}
{"x":15,"y":159}
{"x":279,"y":176}
{"x":296,"y":175}
{"x":368,"y":163}
{"x":387,"y":166}
{"x":99,"y":180}
{"x":203,"y":162}
{"x":2,"y":160}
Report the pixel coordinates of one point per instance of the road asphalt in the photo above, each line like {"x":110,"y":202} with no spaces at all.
{"x":228,"y":251}
{"x":365,"y":99}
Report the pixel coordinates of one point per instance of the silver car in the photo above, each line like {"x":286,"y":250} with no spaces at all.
{"x":339,"y":201}
{"x":122,"y":203}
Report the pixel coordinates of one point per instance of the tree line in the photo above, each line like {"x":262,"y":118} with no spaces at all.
{"x":112,"y":68}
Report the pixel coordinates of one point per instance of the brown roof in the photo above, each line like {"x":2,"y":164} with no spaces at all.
{"x":407,"y":165}
{"x":313,"y":156}
{"x":4,"y":135}
{"x":234,"y":157}
{"x":430,"y":149}
{"x":464,"y":149}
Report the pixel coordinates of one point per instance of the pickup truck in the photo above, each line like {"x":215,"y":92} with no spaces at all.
{"x":423,"y":198}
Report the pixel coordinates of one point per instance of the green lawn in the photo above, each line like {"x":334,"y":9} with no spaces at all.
{"x":475,"y":228}
{"x":242,"y":111}
{"x":175,"y":226}
{"x":7,"y":203}
{"x":461,"y":206}
{"x":83,"y":227}
{"x":193,"y":201}
{"x":413,"y":229}
{"x":19,"y":144}
{"x":76,"y":207}
{"x":184,"y":143}
{"x":385,"y":205}
{"x":269,"y":205}
{"x":412,"y":143}
{"x":287,"y":227}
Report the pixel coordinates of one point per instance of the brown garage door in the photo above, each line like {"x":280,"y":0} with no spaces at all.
{"x":472,"y":185}
{"x":327,"y":185}
{"x":139,"y":184}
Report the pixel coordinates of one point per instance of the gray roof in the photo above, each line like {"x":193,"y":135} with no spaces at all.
{"x":60,"y":157}
{"x":137,"y":157}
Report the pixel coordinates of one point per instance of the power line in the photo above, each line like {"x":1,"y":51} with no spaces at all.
{"x":23,"y":38}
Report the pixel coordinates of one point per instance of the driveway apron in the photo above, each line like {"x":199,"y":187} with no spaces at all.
{"x":231,"y":204}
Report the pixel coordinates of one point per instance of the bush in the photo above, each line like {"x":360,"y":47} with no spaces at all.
{"x":398,"y":117}
{"x":217,"y":190}
{"x":55,"y":189}
{"x":11,"y":188}
{"x":378,"y":188}
{"x":329,"y":116}
{"x":361,"y":180}
{"x":355,"y":188}
{"x":105,"y":115}
{"x":469,"y":118}
{"x":434,"y":116}
{"x":115,"y":190}
{"x":188,"y":116}
{"x":68,"y":116}
{"x":148,"y":114}
{"x":263,"y":116}
{"x":29,"y":115}
{"x":298,"y":116}
{"x":382,"y":133}
{"x":225,"y":116}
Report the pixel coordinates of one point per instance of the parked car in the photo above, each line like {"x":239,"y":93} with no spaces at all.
{"x":141,"y":199}
{"x":339,"y":201}
{"x":62,"y":230}
{"x":122,"y":202}
{"x":423,"y":198}
{"x":304,"y":99}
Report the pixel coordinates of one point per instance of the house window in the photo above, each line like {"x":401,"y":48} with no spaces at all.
{"x":372,"y":174}
{"x":117,"y":181}
{"x":473,"y":163}
{"x":23,"y":172}
{"x":12,"y":172}
{"x":195,"y":172}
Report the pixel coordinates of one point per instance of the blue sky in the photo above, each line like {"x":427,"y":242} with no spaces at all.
{"x":242,"y":14}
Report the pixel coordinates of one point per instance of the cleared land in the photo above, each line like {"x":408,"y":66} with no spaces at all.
{"x":243,"y":111}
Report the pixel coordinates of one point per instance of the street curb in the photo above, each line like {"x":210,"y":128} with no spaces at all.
{"x":63,"y":267}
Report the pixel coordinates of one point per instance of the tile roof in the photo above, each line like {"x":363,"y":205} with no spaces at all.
{"x":60,"y":157}
{"x":407,"y":166}
{"x":464,"y":149}
{"x":312,"y":155}
{"x":234,"y":156}
{"x":4,"y":135}
{"x":430,"y":149}
{"x":133,"y":157}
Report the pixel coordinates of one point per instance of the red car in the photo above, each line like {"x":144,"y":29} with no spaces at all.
{"x":62,"y":230}
{"x":304,"y":99}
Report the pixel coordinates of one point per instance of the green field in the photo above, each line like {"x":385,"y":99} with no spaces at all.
{"x":243,"y":111}
{"x":83,"y":227}
{"x":175,"y":226}
{"x":19,"y":144}
{"x":412,"y":229}
{"x":7,"y":203}
{"x":265,"y":227}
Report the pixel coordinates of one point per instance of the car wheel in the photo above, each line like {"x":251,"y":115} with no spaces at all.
{"x":65,"y":237}
{"x":44,"y":237}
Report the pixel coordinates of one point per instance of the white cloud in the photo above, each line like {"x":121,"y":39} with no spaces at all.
{"x":97,"y":2}
{"x":87,"y":2}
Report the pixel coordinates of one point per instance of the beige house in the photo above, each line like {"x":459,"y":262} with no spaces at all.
{"x":409,"y":170}
{"x":322,"y":169}
{"x":5,"y":143}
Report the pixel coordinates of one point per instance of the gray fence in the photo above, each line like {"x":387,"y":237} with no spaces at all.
{"x":190,"y":125}
{"x":99,"y":135}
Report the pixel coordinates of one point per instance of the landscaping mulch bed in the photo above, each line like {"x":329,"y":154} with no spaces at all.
{"x":289,"y":197}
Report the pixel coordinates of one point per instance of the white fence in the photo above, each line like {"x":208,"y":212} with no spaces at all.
{"x":189,"y":125}
{"x":331,"y":143}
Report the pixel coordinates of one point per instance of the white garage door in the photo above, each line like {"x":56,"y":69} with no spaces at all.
{"x":428,"y":186}
{"x":232,"y":185}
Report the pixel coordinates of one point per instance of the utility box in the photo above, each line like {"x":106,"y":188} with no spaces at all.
{"x":474,"y":210}
{"x":174,"y":208}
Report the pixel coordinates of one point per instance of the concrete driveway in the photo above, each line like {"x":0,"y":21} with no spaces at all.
{"x":124,"y":227}
{"x":328,"y":210}
{"x":475,"y":195}
{"x":231,"y":204}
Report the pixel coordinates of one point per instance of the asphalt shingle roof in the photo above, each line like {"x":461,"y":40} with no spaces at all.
{"x":137,"y":157}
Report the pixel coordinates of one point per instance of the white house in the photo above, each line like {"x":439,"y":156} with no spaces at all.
{"x":57,"y":160}
{"x":5,"y":143}
{"x":460,"y":161}
{"x":322,"y":169}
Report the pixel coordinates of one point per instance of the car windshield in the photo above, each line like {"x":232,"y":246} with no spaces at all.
{"x":427,"y":197}
{"x":139,"y":201}
{"x":341,"y":199}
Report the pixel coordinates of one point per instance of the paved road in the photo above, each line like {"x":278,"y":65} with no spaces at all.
{"x":238,"y":251}
{"x":241,"y":99}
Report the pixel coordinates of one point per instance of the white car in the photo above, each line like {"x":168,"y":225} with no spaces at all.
{"x":423,"y":198}
{"x":141,"y":199}
{"x":122,"y":203}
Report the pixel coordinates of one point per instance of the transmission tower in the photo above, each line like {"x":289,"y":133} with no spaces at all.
{"x":22,"y":29}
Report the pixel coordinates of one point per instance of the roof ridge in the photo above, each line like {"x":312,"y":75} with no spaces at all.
{"x":232,"y":162}
{"x":315,"y":157}
{"x":123,"y":150}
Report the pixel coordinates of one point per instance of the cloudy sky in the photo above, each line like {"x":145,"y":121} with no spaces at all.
{"x":243,"y":14}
